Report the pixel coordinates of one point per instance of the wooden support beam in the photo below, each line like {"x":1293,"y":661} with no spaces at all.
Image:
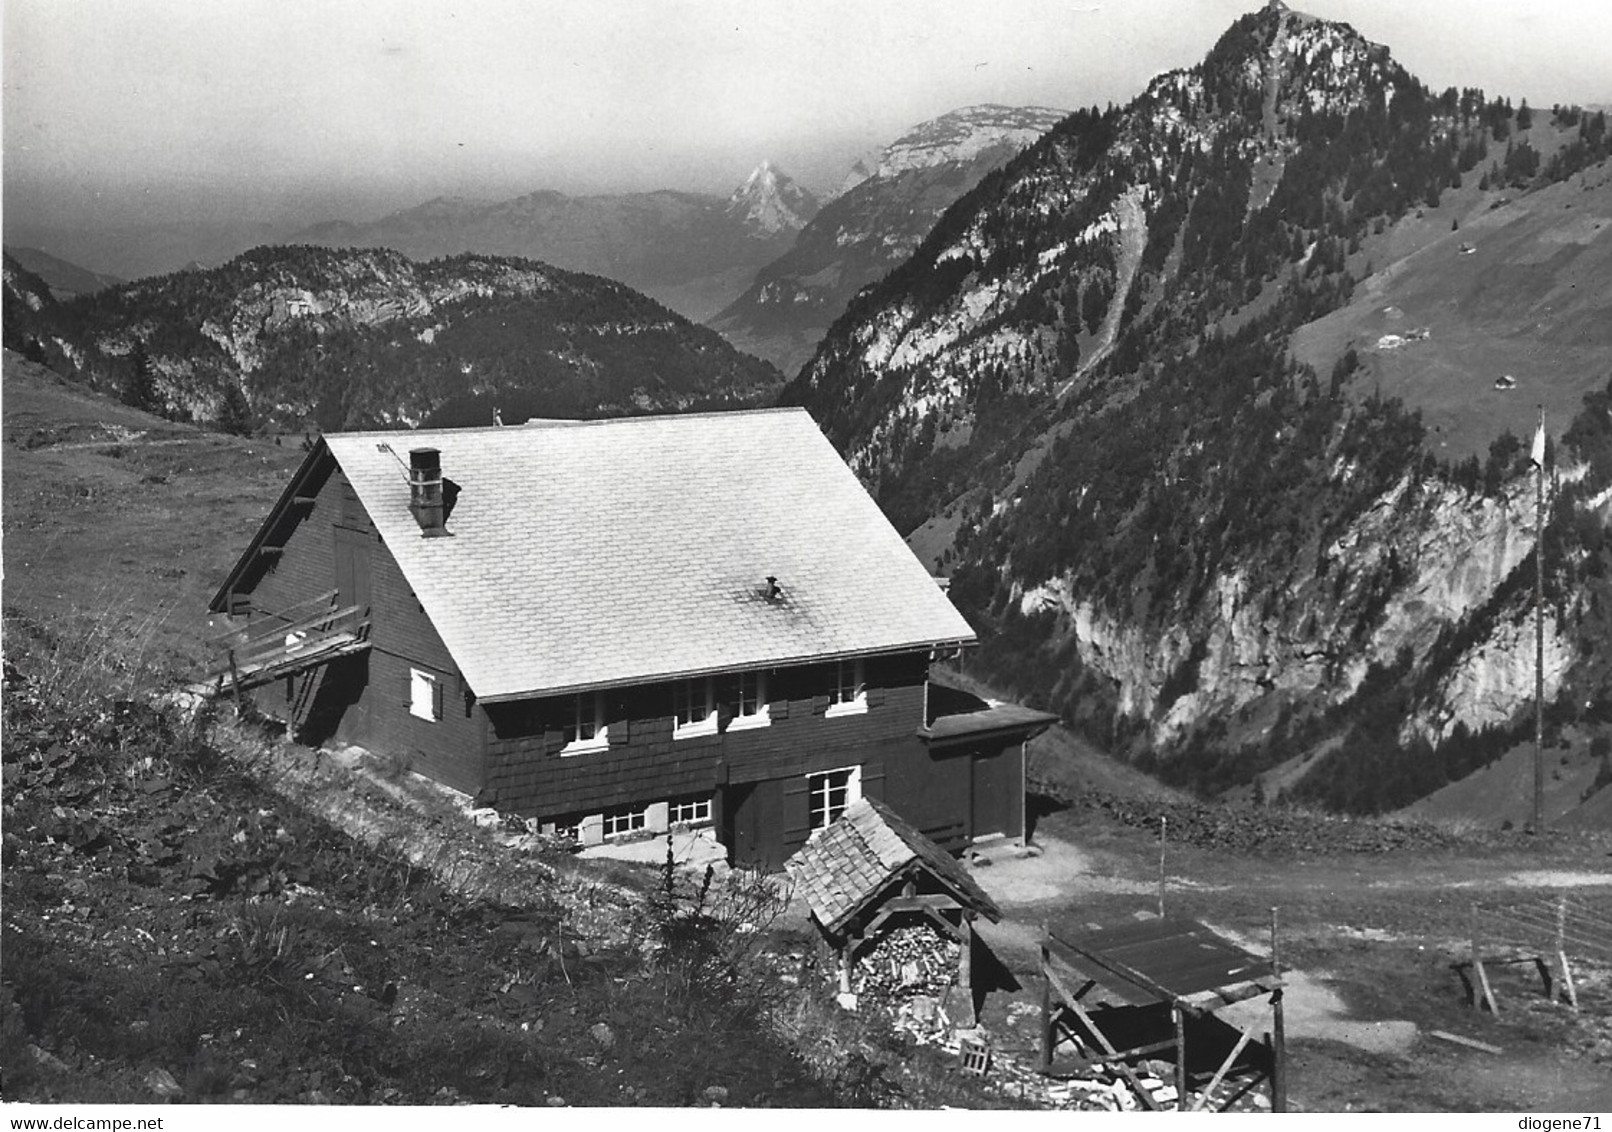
{"x":873,"y":925}
{"x":1278,"y":1055}
{"x":965,"y":967}
{"x":1143,"y":1094}
{"x":1134,"y":1051}
{"x":1046,"y":1012}
{"x":1225,"y":1067}
{"x":1180,"y":1024}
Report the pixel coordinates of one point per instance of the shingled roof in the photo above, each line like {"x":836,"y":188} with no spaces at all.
{"x":851,"y":861}
{"x":588,"y":554}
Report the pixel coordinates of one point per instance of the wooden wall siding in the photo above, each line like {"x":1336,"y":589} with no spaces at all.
{"x":931,"y":790}
{"x":450,"y":750}
{"x":766,"y":820}
{"x":305,"y":566}
{"x":644,"y":763}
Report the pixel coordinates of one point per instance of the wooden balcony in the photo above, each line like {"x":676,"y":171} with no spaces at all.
{"x":285,"y":642}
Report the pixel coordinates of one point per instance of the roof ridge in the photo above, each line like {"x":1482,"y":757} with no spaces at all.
{"x":559,"y":422}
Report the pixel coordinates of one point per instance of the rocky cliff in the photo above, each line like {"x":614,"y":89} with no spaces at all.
{"x":1080,"y":393}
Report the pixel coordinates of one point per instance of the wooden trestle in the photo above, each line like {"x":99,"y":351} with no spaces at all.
{"x":1173,"y":962}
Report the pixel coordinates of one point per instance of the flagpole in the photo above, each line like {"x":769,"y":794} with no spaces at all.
{"x":1539,"y":627}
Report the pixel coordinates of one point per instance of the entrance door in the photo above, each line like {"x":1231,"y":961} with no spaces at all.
{"x":352,"y":568}
{"x":758,"y":825}
{"x":991,"y":796}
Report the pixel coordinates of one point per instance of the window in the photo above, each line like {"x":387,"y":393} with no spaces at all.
{"x":585,"y":728}
{"x":425,"y":695}
{"x":849,"y":694}
{"x":617,"y":822}
{"x":749,"y":699}
{"x":692,"y":707}
{"x":828,"y":794}
{"x":689,"y":811}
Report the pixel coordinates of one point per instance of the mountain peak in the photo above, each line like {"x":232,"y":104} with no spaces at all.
{"x":770,"y":201}
{"x":963,"y":134}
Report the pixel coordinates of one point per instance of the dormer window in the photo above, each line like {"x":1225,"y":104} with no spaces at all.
{"x":848,"y":695}
{"x":749,"y":700}
{"x":693,"y":709}
{"x":584,"y":727}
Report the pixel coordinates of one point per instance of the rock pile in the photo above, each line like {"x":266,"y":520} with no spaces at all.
{"x":1253,"y":829}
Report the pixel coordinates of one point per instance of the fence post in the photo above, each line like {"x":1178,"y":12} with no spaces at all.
{"x":1561,"y":952}
{"x":1163,"y":826}
{"x":1485,"y":996}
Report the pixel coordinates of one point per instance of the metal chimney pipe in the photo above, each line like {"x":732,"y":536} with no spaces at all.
{"x":425,"y":491}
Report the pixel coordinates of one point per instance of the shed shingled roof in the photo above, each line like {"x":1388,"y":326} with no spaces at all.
{"x":587,"y":554}
{"x":841,"y":868}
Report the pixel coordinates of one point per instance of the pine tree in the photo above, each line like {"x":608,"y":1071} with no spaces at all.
{"x":139,"y":381}
{"x":235,"y":412}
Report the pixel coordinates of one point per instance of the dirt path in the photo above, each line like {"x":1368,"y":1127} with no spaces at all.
{"x":1058,"y":876}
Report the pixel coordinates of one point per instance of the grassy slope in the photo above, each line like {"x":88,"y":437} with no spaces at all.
{"x":1530,"y":300}
{"x":120,"y":525}
{"x":1503,"y":791}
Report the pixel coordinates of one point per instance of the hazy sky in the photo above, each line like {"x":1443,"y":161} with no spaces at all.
{"x":352,"y":107}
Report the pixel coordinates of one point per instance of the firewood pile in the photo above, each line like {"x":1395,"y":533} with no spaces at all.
{"x":911,"y":960}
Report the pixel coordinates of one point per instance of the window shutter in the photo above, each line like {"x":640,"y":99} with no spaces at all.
{"x":408,"y":688}
{"x":553,"y":741}
{"x":797,"y":815}
{"x":819,"y":705}
{"x":778,"y":709}
{"x":875,"y":697}
{"x":436,"y":698}
{"x":619,"y":731}
{"x":873,"y":781}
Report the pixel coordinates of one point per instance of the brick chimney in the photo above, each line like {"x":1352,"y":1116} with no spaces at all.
{"x":425,"y":491}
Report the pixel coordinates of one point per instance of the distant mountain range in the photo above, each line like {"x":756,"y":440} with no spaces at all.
{"x":880,"y":217}
{"x":691,"y":251}
{"x":1198,"y":400}
{"x":65,"y":280}
{"x":341,"y":339}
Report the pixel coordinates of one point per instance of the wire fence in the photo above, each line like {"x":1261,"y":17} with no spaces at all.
{"x":1574,"y":925}
{"x":1555,"y":933}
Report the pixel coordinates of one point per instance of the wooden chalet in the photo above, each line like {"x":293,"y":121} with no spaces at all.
{"x":614,"y":626}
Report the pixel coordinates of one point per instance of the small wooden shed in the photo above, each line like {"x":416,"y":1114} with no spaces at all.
{"x":872,"y":870}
